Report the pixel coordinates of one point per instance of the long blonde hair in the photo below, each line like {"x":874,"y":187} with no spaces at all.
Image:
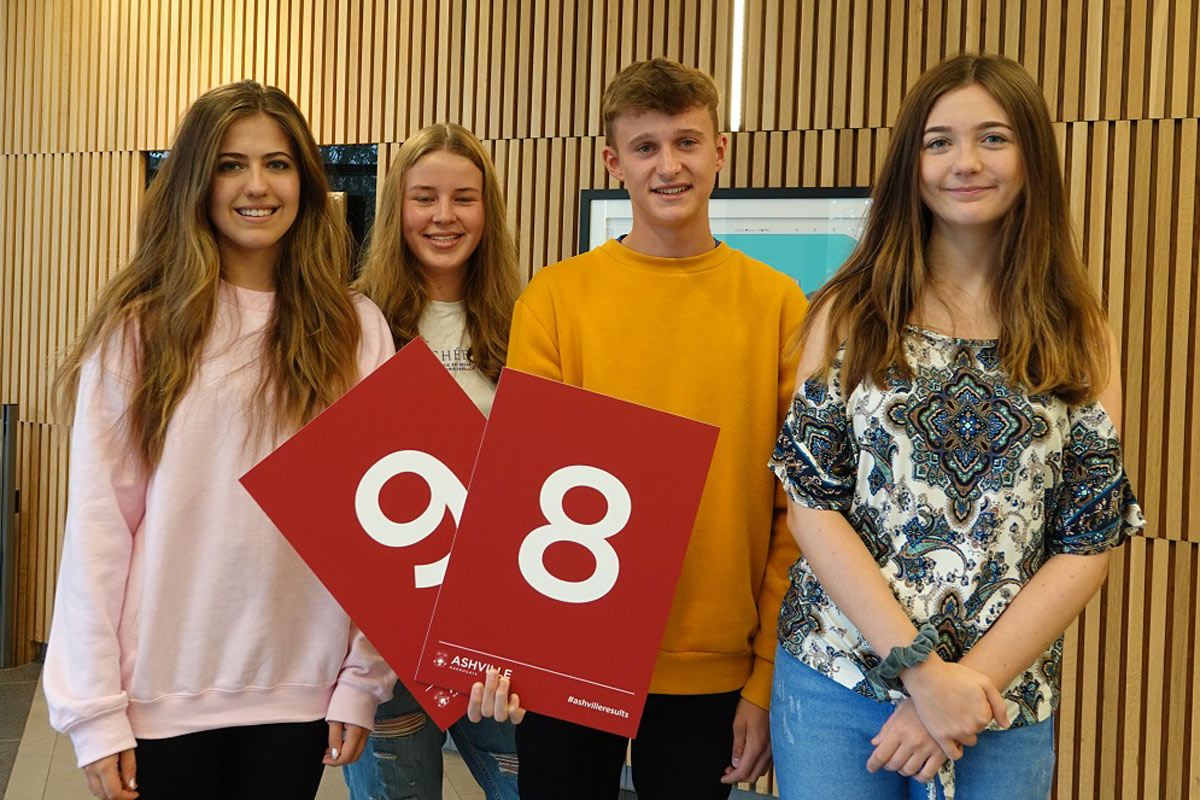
{"x":1053,"y":334}
{"x":164,"y":300}
{"x":392,"y":276}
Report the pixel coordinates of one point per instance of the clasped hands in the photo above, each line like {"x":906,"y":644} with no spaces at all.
{"x":949,"y":705}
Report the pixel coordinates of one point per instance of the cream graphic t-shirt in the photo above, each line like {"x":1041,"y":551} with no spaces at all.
{"x":443,"y":326}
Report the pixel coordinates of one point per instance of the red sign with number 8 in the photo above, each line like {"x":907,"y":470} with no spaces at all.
{"x":568,"y":551}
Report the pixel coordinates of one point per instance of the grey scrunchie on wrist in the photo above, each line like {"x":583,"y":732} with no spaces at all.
{"x":887,"y":672}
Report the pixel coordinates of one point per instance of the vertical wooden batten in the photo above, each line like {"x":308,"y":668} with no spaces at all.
{"x":89,"y":85}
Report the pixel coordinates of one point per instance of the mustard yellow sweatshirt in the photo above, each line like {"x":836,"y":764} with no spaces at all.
{"x":703,"y":337}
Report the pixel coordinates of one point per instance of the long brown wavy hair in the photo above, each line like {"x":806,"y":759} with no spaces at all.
{"x":1053,"y":334}
{"x":164,"y":300}
{"x":392,"y":276}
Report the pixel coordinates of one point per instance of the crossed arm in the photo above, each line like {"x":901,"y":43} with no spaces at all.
{"x":951,"y":702}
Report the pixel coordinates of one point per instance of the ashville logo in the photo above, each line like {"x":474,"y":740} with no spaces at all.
{"x":469,"y":665}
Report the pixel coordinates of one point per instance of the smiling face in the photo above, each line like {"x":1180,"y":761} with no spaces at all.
{"x":443,"y":218}
{"x":669,"y":164}
{"x":970,"y":166}
{"x":254,"y":195}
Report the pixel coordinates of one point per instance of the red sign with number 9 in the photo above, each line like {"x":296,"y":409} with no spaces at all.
{"x":370,"y":493}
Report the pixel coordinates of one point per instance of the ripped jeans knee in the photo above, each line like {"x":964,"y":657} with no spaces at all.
{"x":506,"y":763}
{"x":402,"y":760}
{"x":401,"y":726}
{"x":489,"y":749}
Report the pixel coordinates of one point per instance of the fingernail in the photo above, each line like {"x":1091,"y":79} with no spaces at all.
{"x":334,"y":752}
{"x":737,"y":762}
{"x":133,"y":784}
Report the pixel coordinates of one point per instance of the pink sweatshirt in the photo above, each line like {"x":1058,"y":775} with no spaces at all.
{"x":180,"y":607}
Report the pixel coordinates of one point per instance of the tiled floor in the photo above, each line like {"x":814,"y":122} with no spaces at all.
{"x":17,"y":686}
{"x":45,"y":768}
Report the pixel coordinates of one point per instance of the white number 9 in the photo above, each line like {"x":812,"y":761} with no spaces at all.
{"x":445,"y":494}
{"x":561,"y":528}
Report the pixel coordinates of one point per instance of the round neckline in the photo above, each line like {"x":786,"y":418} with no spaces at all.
{"x":629,"y":257}
{"x":253,"y":299}
{"x":934,"y":334}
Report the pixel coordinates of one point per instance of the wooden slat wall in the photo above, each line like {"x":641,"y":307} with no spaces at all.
{"x":89,"y":84}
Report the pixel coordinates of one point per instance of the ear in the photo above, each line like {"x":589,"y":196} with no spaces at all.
{"x":612,"y":162}
{"x":722,"y":147}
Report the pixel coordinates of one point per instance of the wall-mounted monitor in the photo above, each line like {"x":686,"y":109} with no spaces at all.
{"x":804,"y":233}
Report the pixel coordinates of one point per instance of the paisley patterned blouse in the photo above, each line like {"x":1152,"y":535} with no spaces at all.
{"x":961,"y":486}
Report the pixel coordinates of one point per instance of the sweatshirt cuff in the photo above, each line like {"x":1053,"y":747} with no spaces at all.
{"x":102,"y":736}
{"x":758,"y":687}
{"x":352,"y":704}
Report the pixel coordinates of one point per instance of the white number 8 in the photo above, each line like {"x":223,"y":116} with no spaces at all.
{"x":561,"y":528}
{"x":445,"y":493}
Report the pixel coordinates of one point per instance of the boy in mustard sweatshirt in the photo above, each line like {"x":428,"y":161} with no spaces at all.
{"x":673,"y":319}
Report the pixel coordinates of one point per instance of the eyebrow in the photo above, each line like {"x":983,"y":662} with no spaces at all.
{"x":275,"y":154}
{"x":981,"y":126}
{"x":691,"y":133}
{"x":434,"y":189}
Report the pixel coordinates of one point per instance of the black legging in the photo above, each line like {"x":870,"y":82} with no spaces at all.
{"x":683,"y":744}
{"x":280,"y":760}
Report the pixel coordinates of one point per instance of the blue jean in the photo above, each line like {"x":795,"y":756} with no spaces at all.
{"x":821,"y":735}
{"x":403,"y":757}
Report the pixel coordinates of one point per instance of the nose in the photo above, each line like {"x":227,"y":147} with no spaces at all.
{"x":966,"y":160}
{"x":256,"y":181}
{"x":443,"y":211}
{"x":668,"y":163}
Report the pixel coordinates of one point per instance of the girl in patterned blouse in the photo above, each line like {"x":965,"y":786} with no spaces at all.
{"x":952,"y":461}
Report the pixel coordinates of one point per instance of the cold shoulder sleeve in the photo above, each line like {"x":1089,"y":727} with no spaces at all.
{"x":814,"y":456}
{"x":1094,"y":506}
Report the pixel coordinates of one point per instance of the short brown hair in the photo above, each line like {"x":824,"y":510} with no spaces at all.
{"x":657,"y":85}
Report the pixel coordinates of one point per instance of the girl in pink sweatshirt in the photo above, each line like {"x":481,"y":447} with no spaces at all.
{"x":192,"y":653}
